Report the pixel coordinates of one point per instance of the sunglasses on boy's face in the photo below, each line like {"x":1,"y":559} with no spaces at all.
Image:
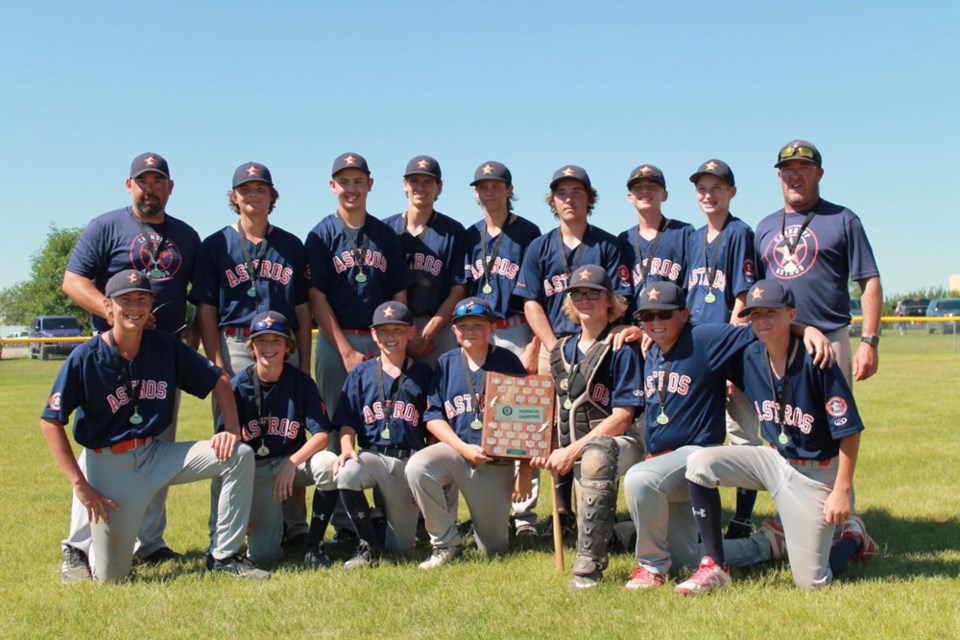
{"x":590,"y":294}
{"x":650,"y":316}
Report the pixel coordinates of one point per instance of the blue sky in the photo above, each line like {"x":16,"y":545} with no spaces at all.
{"x":606,"y":85}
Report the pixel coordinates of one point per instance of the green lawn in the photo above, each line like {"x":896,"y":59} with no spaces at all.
{"x":908,"y":490}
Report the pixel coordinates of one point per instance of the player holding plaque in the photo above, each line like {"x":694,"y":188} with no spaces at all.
{"x":599,"y":396}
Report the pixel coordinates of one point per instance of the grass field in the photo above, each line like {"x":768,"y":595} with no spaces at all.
{"x":908,"y":490}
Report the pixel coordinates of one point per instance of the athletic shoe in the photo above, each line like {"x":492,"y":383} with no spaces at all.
{"x":74,"y":567}
{"x":163,"y":554}
{"x":440,"y":557}
{"x":568,"y":525}
{"x":316,"y":558}
{"x":854,"y":528}
{"x":344,"y":537}
{"x":739,"y":528}
{"x":526,"y":530}
{"x":296,"y":542}
{"x":643,"y":578}
{"x":366,"y":556}
{"x":237,"y":566}
{"x":778,"y":542}
{"x":578,"y":582}
{"x":708,"y":577}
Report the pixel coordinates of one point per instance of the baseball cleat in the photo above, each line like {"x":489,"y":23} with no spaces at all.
{"x":366,"y":556}
{"x":163,"y":554}
{"x":855,"y":528}
{"x":74,"y":567}
{"x":237,"y":566}
{"x":643,"y":578}
{"x":440,"y":556}
{"x":316,"y":558}
{"x":738,"y":528}
{"x":708,"y":577}
{"x":568,"y":525}
{"x":778,"y":543}
{"x":579,"y":582}
{"x":526,"y":530}
{"x":344,"y":537}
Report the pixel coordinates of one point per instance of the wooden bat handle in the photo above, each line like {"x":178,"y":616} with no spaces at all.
{"x":557,"y":526}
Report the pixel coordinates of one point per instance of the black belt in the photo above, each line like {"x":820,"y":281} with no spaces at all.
{"x":393,"y":452}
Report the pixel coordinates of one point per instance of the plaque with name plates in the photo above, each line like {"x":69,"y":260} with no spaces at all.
{"x":518,"y":416}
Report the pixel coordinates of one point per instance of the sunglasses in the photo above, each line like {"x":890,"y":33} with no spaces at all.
{"x":650,"y":316}
{"x":589,"y":294}
{"x":472,"y":308}
{"x":272,"y":325}
{"x":803,"y":152}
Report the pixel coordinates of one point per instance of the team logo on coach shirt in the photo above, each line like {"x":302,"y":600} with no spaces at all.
{"x":169,"y":258}
{"x":787,"y":263}
{"x":54,"y":401}
{"x":836,"y":406}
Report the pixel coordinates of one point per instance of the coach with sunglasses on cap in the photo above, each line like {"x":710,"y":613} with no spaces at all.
{"x":816,"y":247}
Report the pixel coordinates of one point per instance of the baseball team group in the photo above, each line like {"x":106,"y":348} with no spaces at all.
{"x":684,"y":359}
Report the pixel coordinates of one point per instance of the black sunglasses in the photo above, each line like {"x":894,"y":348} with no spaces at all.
{"x":650,"y":316}
{"x":589,"y":294}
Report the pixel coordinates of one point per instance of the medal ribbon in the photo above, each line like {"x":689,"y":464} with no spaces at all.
{"x":655,"y":244}
{"x":489,"y":260}
{"x":712,"y":271}
{"x":577,"y":253}
{"x":244,"y":246}
{"x":477,"y":405}
{"x":259,"y":403}
{"x":358,"y":252}
{"x":783,"y":398}
{"x":792,"y":246}
{"x":388,"y":405}
{"x":124,"y":365}
{"x":662,"y":387}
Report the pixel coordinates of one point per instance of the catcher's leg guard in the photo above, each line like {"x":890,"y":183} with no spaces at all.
{"x":598,"y":496}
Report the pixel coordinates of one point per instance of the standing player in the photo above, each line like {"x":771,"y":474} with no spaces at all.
{"x":816,"y":247}
{"x":454,"y":416}
{"x":655,"y":249}
{"x":277,"y":404}
{"x":720,"y":269}
{"x":433,"y":245}
{"x":547,"y":265}
{"x":495,"y":247}
{"x":243,"y":270}
{"x":811,"y":421}
{"x":382,"y":408}
{"x":122,"y":383}
{"x":599,"y":393}
{"x":685,"y":388}
{"x":146,"y":238}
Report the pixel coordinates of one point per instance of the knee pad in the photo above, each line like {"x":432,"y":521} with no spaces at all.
{"x":599,"y":460}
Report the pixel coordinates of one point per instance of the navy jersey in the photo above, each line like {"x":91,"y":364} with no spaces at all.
{"x":543,"y":279}
{"x":334,"y":271}
{"x":449,"y":395}
{"x":734,"y":271}
{"x":832,"y":250}
{"x":620,"y":383}
{"x":113,"y":242}
{"x":360,"y":407}
{"x":669,"y":263}
{"x":280,"y":276}
{"x":517,"y":236}
{"x":91,"y":383}
{"x":289,"y":408}
{"x":819,"y":404}
{"x":433,"y":258}
{"x":695,"y":397}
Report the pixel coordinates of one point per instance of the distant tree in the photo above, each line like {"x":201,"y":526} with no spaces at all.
{"x":41,"y":295}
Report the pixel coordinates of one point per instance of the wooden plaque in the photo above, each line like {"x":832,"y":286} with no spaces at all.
{"x":518,"y":416}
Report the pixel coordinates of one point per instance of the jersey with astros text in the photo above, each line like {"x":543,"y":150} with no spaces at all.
{"x":505,"y":262}
{"x":725,"y":270}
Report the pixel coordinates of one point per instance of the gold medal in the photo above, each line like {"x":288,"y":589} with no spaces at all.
{"x":361,"y":278}
{"x":385,"y":434}
{"x":251,"y":292}
{"x":487,"y":288}
{"x":263,"y":451}
{"x":782,"y":438}
{"x":136,"y":418}
{"x":567,"y":404}
{"x":662,"y":418}
{"x":476,"y":424}
{"x":710,"y":298}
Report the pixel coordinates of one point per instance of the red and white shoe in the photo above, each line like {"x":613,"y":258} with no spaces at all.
{"x":854,"y":528}
{"x":773,"y":531}
{"x":708,"y":577}
{"x":643,"y":578}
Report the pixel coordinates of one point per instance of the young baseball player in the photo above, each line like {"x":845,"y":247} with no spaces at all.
{"x":145,"y":237}
{"x":720,"y":268}
{"x":598,"y":393}
{"x":685,"y":387}
{"x":454,"y":416}
{"x":811,"y":421}
{"x":277,"y":404}
{"x":547,"y":265}
{"x":122,"y":385}
{"x":381,"y":408}
{"x":655,"y":249}
{"x":433,"y":244}
{"x":495,"y":247}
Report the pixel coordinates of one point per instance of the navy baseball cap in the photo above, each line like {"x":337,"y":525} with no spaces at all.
{"x":392,"y":313}
{"x":767,"y":294}
{"x":127,"y":281}
{"x":349,"y":161}
{"x":717,"y":168}
{"x":570,"y":171}
{"x":149,"y":161}
{"x":251,"y":172}
{"x":270,"y":322}
{"x":473,"y":307}
{"x":799,"y":150}
{"x":423,"y":165}
{"x":492,"y":170}
{"x":647,"y":172}
{"x":590,"y":276}
{"x":662,"y":296}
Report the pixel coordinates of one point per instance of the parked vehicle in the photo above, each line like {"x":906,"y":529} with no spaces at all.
{"x":942,"y":307}
{"x":856,"y":310}
{"x":53,"y":327}
{"x":915,"y":307}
